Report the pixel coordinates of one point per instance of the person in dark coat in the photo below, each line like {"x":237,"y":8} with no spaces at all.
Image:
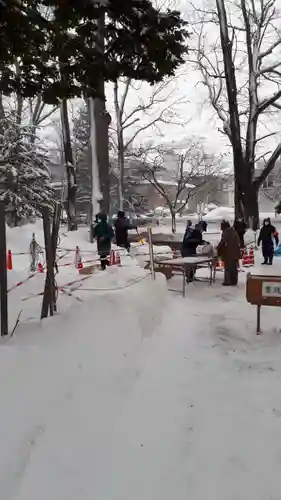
{"x":229,"y":251}
{"x":104,"y":234}
{"x":122,"y":226}
{"x":267,"y":236}
{"x":204,"y":226}
{"x":240,"y":228}
{"x":191,"y":240}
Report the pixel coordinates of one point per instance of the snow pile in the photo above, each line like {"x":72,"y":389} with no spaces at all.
{"x":104,"y":405}
{"x":220,"y":213}
{"x":137,"y":394}
{"x":141,"y":252}
{"x":68,"y":376}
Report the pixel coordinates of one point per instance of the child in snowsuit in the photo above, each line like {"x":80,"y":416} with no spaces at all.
{"x":103,"y":232}
{"x":267,"y":234}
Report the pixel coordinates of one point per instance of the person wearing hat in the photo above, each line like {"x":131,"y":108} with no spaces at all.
{"x":104,"y":234}
{"x":229,"y":251}
{"x":122,"y":226}
{"x":267,"y":236}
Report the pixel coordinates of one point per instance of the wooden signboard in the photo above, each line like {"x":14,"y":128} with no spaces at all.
{"x":263,"y":290}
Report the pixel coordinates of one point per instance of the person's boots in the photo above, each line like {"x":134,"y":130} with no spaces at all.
{"x":226,"y":281}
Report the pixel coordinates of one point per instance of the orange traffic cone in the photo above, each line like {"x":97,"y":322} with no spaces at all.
{"x":78,"y":259}
{"x":40,"y":267}
{"x":112,"y":258}
{"x":245,"y":260}
{"x":9,"y":260}
{"x":118,"y":259}
{"x":251,"y":256}
{"x":219,"y":265}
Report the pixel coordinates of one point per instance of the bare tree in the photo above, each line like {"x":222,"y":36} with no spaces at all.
{"x":38,"y":114}
{"x":241,"y":70}
{"x":271,"y":188}
{"x":193,"y":169}
{"x":159,"y":107}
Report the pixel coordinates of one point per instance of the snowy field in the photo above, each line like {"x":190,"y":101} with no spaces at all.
{"x":138,"y":393}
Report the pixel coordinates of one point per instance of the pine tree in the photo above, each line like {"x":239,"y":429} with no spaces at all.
{"x":55,"y":45}
{"x":24,"y":175}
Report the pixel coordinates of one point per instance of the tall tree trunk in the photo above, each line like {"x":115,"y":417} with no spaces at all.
{"x":174,"y":223}
{"x":120,"y":147}
{"x":102,"y":120}
{"x":70,"y":168}
{"x":238,"y":202}
{"x":121,"y":166}
{"x":96,"y":191}
{"x":251,"y":207}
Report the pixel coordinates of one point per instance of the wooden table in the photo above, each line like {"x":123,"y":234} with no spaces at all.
{"x":183,"y":263}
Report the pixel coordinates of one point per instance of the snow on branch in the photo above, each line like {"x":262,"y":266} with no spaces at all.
{"x":25,"y":181}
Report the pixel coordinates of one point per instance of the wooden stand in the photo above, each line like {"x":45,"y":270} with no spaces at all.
{"x":263,"y":290}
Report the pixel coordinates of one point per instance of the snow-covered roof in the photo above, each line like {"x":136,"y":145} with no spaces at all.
{"x":165,"y":182}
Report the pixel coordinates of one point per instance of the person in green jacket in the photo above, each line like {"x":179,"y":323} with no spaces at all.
{"x":104,"y":234}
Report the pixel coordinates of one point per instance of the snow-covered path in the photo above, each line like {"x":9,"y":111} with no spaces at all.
{"x":192,"y":410}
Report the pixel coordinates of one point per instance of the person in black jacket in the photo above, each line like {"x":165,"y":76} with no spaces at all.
{"x":267,"y":235}
{"x":191,"y":240}
{"x":104,"y":234}
{"x":204,"y":225}
{"x":122,"y":226}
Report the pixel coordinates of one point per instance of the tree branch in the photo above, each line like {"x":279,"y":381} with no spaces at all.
{"x":268,"y":167}
{"x":269,"y":102}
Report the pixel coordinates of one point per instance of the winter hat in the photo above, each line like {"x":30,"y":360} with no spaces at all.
{"x":224,"y":225}
{"x":102,"y":216}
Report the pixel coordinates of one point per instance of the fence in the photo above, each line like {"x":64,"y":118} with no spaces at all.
{"x":51,"y":240}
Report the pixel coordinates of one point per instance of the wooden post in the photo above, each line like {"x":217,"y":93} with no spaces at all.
{"x":49,"y":291}
{"x":55,"y":235}
{"x":258,"y":320}
{"x":255,"y":240}
{"x":151,"y":256}
{"x":3,"y":272}
{"x":183,"y":281}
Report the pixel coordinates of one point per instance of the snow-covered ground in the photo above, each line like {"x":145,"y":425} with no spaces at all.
{"x":139,"y":393}
{"x":26,"y":298}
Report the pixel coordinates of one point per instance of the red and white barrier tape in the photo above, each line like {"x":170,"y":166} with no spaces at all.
{"x":64,"y":286}
{"x":19,"y":283}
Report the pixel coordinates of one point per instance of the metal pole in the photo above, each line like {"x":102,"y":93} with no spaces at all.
{"x":3,"y":272}
{"x":255,"y":240}
{"x":258,"y":320}
{"x":151,"y":256}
